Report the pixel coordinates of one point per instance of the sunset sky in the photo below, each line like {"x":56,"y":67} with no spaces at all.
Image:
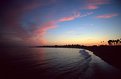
{"x":50,"y":22}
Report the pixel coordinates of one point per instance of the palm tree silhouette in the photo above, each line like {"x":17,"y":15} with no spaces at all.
{"x":114,"y":42}
{"x":117,"y":42}
{"x":110,"y":42}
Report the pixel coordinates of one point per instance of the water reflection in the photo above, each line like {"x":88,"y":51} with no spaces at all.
{"x":54,"y":63}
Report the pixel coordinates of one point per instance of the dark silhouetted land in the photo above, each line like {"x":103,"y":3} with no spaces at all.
{"x":110,"y":54}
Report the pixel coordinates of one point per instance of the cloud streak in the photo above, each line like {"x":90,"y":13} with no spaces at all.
{"x":94,"y":4}
{"x":91,"y":7}
{"x":75,"y":16}
{"x":98,"y":2}
{"x":42,"y":30}
{"x":46,"y":26}
{"x":106,"y":16}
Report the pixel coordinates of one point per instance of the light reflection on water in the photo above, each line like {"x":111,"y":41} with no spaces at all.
{"x":55,"y":63}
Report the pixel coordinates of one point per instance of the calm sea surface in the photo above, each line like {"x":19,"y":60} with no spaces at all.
{"x":53,"y":63}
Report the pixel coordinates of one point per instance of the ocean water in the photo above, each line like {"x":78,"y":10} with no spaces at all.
{"x":54,"y":63}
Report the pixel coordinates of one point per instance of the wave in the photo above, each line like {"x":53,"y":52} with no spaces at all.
{"x":97,"y":68}
{"x":85,"y":54}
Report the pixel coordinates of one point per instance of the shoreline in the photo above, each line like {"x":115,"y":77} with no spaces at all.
{"x":110,"y":54}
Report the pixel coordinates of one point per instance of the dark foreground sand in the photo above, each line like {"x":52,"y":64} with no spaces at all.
{"x":110,"y":54}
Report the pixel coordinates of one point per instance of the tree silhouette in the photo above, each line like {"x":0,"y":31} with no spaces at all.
{"x":114,"y":42}
{"x":110,"y":42}
{"x":117,"y":42}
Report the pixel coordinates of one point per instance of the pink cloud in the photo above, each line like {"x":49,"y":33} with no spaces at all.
{"x":98,"y":2}
{"x":91,"y":7}
{"x":106,"y":16}
{"x":73,"y":17}
{"x":94,"y":4}
{"x":40,"y":32}
{"x":67,"y":19}
{"x":45,"y":27}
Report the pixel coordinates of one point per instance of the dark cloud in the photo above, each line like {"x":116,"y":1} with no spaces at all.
{"x":11,"y":31}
